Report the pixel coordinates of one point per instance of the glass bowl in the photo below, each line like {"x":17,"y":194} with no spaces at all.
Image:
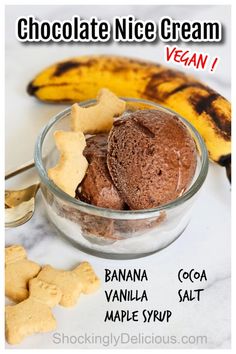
{"x":112,"y":233}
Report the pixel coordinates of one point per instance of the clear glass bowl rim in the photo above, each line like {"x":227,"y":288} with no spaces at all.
{"x":111,"y":213}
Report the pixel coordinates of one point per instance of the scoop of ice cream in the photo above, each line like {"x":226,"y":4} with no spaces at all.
{"x":97,"y":187}
{"x":151,"y":158}
{"x":96,"y":146}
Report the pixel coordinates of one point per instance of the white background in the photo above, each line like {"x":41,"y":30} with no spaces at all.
{"x":206,"y":242}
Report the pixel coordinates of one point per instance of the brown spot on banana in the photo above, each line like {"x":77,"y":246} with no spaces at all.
{"x":151,"y":89}
{"x":63,"y":67}
{"x":204,"y":104}
{"x":187,"y":85}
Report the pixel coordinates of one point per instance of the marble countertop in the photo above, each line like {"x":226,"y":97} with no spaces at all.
{"x":205,"y":244}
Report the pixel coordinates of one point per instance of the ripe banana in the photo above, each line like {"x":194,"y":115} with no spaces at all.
{"x":80,"y":78}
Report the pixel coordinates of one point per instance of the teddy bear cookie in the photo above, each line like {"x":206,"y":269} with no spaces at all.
{"x":81,"y":279}
{"x":97,"y":118}
{"x":33,"y":315}
{"x":89,"y":280}
{"x":18,"y":271}
{"x":66,"y":173}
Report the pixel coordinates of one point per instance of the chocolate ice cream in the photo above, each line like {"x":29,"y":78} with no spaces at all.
{"x":96,"y":146}
{"x":97,"y":187}
{"x":151,"y":158}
